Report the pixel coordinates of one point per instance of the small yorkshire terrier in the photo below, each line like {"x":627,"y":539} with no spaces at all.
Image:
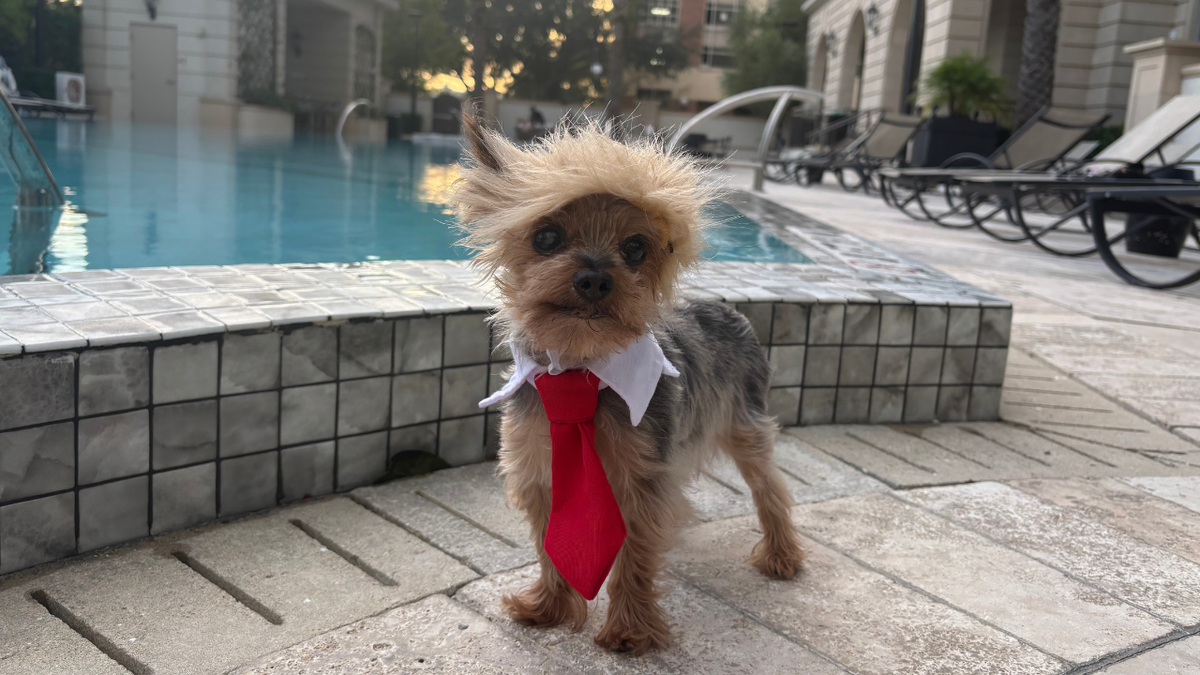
{"x":585,"y":238}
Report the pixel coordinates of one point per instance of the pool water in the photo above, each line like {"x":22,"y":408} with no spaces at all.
{"x":142,"y":196}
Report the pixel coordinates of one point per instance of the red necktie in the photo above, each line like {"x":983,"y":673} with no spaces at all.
{"x":586,"y":529}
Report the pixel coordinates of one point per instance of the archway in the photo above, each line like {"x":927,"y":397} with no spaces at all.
{"x":853,"y":55}
{"x":1006,"y":30}
{"x":902,"y":67}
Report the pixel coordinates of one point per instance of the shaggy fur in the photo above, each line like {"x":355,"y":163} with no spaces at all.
{"x":600,"y":195}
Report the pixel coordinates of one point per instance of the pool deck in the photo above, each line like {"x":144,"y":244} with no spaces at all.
{"x":1061,"y":539}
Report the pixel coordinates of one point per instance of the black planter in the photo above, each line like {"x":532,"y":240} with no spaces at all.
{"x":941,"y":138}
{"x":1162,"y":236}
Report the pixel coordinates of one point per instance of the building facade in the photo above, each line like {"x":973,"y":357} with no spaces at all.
{"x":198,"y":61}
{"x":869,"y":54}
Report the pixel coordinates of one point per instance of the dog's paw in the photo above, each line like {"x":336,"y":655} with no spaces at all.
{"x":536,"y":607}
{"x":636,"y":638}
{"x":777,"y":562}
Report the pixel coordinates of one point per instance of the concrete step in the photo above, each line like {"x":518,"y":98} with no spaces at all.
{"x":435,"y":635}
{"x":1128,"y":569}
{"x":708,"y":635}
{"x":857,"y":617}
{"x":1008,"y":590}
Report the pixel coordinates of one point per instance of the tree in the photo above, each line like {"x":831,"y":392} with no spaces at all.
{"x":1035,"y":87}
{"x":553,"y":48}
{"x":768,"y":48}
{"x":59,"y":34}
{"x":441,"y":49}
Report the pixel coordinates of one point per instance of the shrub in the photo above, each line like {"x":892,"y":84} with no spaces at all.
{"x":963,"y":86}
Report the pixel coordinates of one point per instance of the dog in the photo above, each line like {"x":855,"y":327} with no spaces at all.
{"x":585,"y":238}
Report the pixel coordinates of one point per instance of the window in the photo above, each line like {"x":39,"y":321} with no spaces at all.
{"x":659,"y":13}
{"x":716,"y":57}
{"x":721,"y":14}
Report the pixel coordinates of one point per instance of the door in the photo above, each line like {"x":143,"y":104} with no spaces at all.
{"x":154,"y":70}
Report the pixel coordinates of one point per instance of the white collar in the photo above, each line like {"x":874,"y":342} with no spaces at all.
{"x":633,"y":374}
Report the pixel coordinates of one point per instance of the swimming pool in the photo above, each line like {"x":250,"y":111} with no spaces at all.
{"x":144,"y":196}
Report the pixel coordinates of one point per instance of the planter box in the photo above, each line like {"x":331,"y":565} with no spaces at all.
{"x":944,"y":137}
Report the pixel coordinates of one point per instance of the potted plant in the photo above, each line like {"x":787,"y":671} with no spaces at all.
{"x":963,"y":98}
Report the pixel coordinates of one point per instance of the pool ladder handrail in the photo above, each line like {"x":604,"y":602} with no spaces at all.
{"x":350,"y":107}
{"x":782,"y":95}
{"x":36,"y":186}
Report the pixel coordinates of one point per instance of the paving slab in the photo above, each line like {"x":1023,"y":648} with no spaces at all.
{"x":1060,"y":458}
{"x":1131,"y":570}
{"x":859,"y":618}
{"x":1135,"y":512}
{"x":714,"y":497}
{"x":37,"y":643}
{"x":884,"y":465}
{"x":998,"y":459}
{"x":1125,"y":462}
{"x":1181,"y":657}
{"x":1007,"y":589}
{"x":1182,"y":490}
{"x":435,"y":635}
{"x":477,"y":548}
{"x":160,"y":613}
{"x":708,"y":635}
{"x":822,"y":476}
{"x":477,"y":492}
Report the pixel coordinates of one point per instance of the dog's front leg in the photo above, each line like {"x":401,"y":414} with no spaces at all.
{"x":550,"y":600}
{"x":636,"y":623}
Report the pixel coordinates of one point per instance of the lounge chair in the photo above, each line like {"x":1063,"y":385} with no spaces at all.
{"x":1049,"y":141}
{"x":855,"y":165}
{"x":1159,"y":223}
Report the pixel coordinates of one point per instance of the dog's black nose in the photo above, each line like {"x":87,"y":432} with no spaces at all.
{"x":593,"y":285}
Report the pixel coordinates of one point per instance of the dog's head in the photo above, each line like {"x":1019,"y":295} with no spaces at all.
{"x":585,"y":235}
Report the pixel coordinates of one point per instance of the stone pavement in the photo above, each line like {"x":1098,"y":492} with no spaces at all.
{"x":1065,"y":539}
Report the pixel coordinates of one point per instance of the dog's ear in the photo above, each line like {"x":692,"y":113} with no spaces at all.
{"x":477,"y":139}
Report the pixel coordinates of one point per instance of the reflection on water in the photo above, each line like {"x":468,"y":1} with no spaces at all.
{"x":144,"y":195}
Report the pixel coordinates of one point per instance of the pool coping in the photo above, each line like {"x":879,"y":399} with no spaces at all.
{"x":138,"y":402}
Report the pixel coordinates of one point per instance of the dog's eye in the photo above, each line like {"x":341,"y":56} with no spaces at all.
{"x":633,"y":250}
{"x":549,"y":239}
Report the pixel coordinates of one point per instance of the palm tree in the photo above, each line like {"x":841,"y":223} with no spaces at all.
{"x":1036,"y":83}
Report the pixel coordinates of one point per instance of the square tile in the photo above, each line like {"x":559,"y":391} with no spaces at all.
{"x":930,"y":327}
{"x":963,"y":328}
{"x":891,"y":366}
{"x":491,"y":438}
{"x":114,"y":330}
{"x":308,"y":414}
{"x":825,"y":324}
{"x":422,"y":437}
{"x":920,"y":404}
{"x":184,"y":497}
{"x":418,"y":344}
{"x":926,"y":365}
{"x":958,"y":365}
{"x":783,"y":403}
{"x":184,"y":433}
{"x":184,"y":372}
{"x":307,"y":470}
{"x":463,"y":389}
{"x":498,"y":374}
{"x":896,"y":324}
{"x":995,"y":326}
{"x":249,"y":423}
{"x":816,"y":405}
{"x":113,"y":379}
{"x":759,"y":316}
{"x":36,"y":388}
{"x":366,"y":349}
{"x":36,"y":531}
{"x":37,"y":461}
{"x":467,"y":337}
{"x":249,"y":483}
{"x":114,"y":513}
{"x":461,"y":441}
{"x":310,"y":355}
{"x":990,"y":363}
{"x":853,"y":405}
{"x":250,"y":363}
{"x":984,"y":405}
{"x":862,"y":325}
{"x":361,"y":460}
{"x":416,"y":398}
{"x":952,"y":404}
{"x":790,"y":325}
{"x":363,"y":405}
{"x":114,"y":446}
{"x":787,"y":365}
{"x":887,"y":405}
{"x":500,"y":347}
{"x":858,"y":366}
{"x":44,"y":337}
{"x":821,"y":366}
